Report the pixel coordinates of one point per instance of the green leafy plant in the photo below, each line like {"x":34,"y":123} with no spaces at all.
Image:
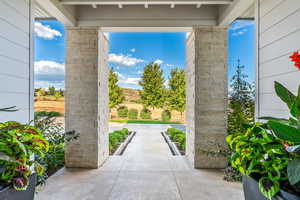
{"x":57,"y":138}
{"x":116,"y":138}
{"x":178,"y":137}
{"x":289,"y":131}
{"x":18,"y":145}
{"x":145,"y":113}
{"x":262,"y":156}
{"x":166,"y":115}
{"x":133,"y":113}
{"x":123,"y":112}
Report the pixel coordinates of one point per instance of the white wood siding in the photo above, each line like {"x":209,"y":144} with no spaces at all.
{"x":279,"y":37}
{"x":16,"y":72}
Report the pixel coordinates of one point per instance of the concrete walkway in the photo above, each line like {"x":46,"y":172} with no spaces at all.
{"x":146,"y":171}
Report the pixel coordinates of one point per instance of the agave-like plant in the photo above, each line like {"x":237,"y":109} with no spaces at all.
{"x":289,"y":130}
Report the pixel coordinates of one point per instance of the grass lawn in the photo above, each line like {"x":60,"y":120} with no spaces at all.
{"x":130,"y":121}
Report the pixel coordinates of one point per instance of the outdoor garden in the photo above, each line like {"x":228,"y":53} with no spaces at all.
{"x":264,"y":155}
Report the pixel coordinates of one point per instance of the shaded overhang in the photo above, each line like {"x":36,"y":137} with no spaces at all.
{"x":149,"y":13}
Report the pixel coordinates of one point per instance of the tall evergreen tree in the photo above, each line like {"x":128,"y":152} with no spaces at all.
{"x":116,"y":96}
{"x":241,"y":101}
{"x":176,"y":95}
{"x":153,"y":93}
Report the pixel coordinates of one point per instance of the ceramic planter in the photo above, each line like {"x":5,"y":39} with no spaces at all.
{"x":251,"y":191}
{"x":9,"y":193}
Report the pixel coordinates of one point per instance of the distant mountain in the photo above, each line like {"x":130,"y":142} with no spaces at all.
{"x":131,"y":95}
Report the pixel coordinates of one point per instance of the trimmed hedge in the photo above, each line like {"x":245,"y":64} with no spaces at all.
{"x":166,"y":115}
{"x":40,"y":114}
{"x":116,"y":138}
{"x":145,"y":113}
{"x":123,"y":112}
{"x":178,"y":137}
{"x":133,"y":113}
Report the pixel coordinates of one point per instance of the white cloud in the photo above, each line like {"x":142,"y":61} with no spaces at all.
{"x":45,"y":31}
{"x":239,"y":24}
{"x":121,"y":76}
{"x":159,"y":62}
{"x":45,"y":67}
{"x":124,"y":60}
{"x":240,"y":32}
{"x":140,"y":72}
{"x":134,"y":81}
{"x":132,"y":50}
{"x":169,"y":65}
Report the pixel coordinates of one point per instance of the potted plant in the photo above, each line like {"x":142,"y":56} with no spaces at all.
{"x":268,"y":155}
{"x":18,"y":145}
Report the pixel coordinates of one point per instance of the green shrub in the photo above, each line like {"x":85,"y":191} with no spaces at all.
{"x":40,"y":114}
{"x":123,"y":112}
{"x":133,"y":113}
{"x":178,"y":137}
{"x":145,"y":113}
{"x":117,"y":137}
{"x":166,"y":115}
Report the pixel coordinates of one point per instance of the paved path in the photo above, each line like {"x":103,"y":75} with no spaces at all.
{"x":146,"y":171}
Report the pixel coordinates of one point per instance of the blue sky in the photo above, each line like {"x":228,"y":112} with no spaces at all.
{"x":130,"y":52}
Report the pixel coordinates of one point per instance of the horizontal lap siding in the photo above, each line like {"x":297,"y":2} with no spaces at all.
{"x":15,"y":59}
{"x":279,"y":37}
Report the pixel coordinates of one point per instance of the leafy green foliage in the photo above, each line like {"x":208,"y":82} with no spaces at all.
{"x":51,"y":91}
{"x":57,"y":138}
{"x":116,"y":96}
{"x":123,"y":112}
{"x":166,"y":115}
{"x":288,"y":130}
{"x":18,"y":144}
{"x":260,"y":155}
{"x":176,"y":94}
{"x":116,"y":138}
{"x":153,"y":93}
{"x":40,"y":114}
{"x":145,"y":113}
{"x":178,"y":137}
{"x":133,"y":113}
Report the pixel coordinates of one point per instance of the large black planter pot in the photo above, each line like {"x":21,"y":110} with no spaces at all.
{"x":9,"y":193}
{"x":251,"y":191}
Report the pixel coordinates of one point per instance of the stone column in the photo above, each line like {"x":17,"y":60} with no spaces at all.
{"x":86,"y":98}
{"x":207,"y":97}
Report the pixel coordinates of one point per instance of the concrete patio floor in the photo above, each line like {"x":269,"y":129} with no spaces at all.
{"x":146,"y":171}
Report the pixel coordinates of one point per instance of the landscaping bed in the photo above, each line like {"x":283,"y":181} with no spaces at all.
{"x":118,"y":141}
{"x":175,"y":139}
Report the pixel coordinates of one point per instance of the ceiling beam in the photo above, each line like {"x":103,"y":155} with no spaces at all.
{"x":58,"y":11}
{"x":229,"y":13}
{"x":141,"y":2}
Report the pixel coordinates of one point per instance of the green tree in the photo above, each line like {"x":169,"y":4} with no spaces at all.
{"x":153,"y":93}
{"x":116,"y":96}
{"x":241,"y":101}
{"x":51,"y":90}
{"x":176,"y":95}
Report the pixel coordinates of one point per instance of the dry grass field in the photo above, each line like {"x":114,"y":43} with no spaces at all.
{"x":59,"y":106}
{"x":52,"y":104}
